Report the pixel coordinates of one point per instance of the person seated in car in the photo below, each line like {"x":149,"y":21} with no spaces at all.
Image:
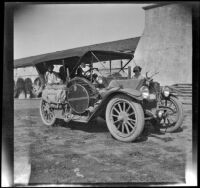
{"x":137,"y":73}
{"x":63,"y":75}
{"x":81,"y":70}
{"x":51,"y":76}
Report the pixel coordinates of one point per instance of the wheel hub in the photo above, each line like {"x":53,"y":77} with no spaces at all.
{"x":123,"y":116}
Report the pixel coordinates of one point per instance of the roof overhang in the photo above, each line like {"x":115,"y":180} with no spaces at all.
{"x":75,"y":53}
{"x":156,"y":5}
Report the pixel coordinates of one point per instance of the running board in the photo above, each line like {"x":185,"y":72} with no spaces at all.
{"x":148,"y":118}
{"x":76,"y":118}
{"x":81,"y":119}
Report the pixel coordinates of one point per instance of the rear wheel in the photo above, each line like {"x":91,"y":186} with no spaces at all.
{"x":124,"y":118}
{"x":47,"y":113}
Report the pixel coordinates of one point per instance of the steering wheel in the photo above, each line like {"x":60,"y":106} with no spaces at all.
{"x":88,"y":72}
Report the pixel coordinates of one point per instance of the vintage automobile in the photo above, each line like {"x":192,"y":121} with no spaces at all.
{"x":123,"y":102}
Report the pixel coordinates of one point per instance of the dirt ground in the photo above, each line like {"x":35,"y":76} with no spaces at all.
{"x":79,"y":153}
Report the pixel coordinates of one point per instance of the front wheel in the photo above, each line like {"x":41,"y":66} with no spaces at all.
{"x":124,"y":118}
{"x":173,"y":114}
{"x":46,"y":113}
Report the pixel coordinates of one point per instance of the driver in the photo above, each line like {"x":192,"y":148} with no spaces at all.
{"x":137,"y":73}
{"x":80,"y":71}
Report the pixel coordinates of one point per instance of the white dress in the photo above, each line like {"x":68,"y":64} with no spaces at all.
{"x":52,"y":78}
{"x":139,"y":77}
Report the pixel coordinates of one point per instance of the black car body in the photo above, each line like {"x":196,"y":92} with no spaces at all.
{"x":124,"y":103}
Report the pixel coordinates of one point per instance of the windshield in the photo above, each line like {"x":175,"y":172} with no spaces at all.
{"x":114,"y":68}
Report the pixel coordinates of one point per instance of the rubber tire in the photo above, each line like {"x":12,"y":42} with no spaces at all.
{"x":139,"y":116}
{"x":180,"y":118}
{"x":44,"y":121}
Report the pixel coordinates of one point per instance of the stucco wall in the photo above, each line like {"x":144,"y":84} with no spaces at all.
{"x":29,"y":72}
{"x":166,"y":44}
{"x":25,"y":72}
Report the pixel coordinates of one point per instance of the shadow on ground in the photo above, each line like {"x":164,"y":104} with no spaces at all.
{"x":99,"y":126}
{"x":95,"y":126}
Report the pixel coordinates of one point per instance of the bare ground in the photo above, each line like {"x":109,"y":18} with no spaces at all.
{"x":79,"y":153}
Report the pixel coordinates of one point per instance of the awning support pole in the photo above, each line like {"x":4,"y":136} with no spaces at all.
{"x":110,"y":67}
{"x":125,"y":65}
{"x":95,"y":56}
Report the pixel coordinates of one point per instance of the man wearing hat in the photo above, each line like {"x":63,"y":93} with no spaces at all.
{"x":51,"y":76}
{"x":137,"y":72}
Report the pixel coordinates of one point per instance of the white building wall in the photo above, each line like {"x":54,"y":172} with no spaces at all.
{"x":166,"y":44}
{"x":29,"y":72}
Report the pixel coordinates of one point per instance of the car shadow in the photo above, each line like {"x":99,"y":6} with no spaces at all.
{"x":98,"y":125}
{"x":150,"y":130}
{"x":180,"y":129}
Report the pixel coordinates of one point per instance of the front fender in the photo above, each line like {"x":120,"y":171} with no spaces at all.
{"x":135,"y":94}
{"x":174,"y":95}
{"x":173,"y":92}
{"x":132,"y":93}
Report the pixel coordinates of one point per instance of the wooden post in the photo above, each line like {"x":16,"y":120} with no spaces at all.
{"x":129,"y":72}
{"x":63,"y":63}
{"x":110,"y":67}
{"x":121,"y":63}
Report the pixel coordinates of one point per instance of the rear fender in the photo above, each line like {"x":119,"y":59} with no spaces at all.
{"x":134,"y":94}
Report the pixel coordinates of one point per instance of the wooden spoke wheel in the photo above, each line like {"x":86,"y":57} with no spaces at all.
{"x":124,"y":118}
{"x":47,"y":114}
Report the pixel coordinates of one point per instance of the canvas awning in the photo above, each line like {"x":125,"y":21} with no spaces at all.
{"x":74,"y":54}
